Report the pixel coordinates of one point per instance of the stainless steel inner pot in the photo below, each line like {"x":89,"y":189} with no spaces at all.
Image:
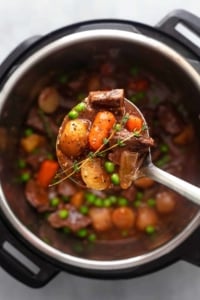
{"x":22,"y":86}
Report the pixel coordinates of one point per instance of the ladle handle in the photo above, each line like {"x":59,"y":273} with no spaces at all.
{"x":180,"y":186}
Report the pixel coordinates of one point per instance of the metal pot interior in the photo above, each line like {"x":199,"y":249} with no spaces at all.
{"x":17,"y":100}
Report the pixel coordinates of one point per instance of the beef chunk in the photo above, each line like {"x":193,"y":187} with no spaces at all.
{"x":74,"y":221}
{"x":111,"y":100}
{"x":37,"y":196}
{"x":169,"y":118}
{"x":66,"y":188}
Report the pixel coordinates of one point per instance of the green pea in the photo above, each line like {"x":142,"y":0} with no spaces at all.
{"x":21,"y":163}
{"x":151,"y":202}
{"x":92,"y":237}
{"x":83,"y":210}
{"x":109,"y":166}
{"x":82,"y":232}
{"x":163,"y":161}
{"x":150,"y":229}
{"x":80,"y":107}
{"x":107,"y":202}
{"x":50,"y":156}
{"x":73,"y":114}
{"x":137,"y":203}
{"x":28,"y":131}
{"x":164,"y":148}
{"x":139,"y":196}
{"x":122,"y":201}
{"x":25,"y":177}
{"x":54,"y":201}
{"x":63,"y":78}
{"x":98,"y":202}
{"x":115,"y":179}
{"x":90,"y":197}
{"x":113,"y":199}
{"x":63,"y":213}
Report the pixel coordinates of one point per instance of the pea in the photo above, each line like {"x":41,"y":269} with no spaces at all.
{"x":137,"y":203}
{"x":54,"y":201}
{"x":92,"y":237}
{"x":109,"y":166}
{"x":80,"y":107}
{"x":90,"y":197}
{"x":164,"y":148}
{"x":63,"y":213}
{"x":73,"y":114}
{"x":115,"y":179}
{"x":83,"y":210}
{"x":21,"y":163}
{"x":28,"y":131}
{"x":113,"y":199}
{"x":150,"y":229}
{"x":107,"y":202}
{"x":163,"y":161}
{"x":25,"y":177}
{"x":139,"y":196}
{"x":121,"y":201}
{"x":63,"y":78}
{"x":151,"y":202}
{"x":82,"y":232}
{"x":98,"y":202}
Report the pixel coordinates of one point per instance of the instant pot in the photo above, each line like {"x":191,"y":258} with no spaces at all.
{"x":162,"y":46}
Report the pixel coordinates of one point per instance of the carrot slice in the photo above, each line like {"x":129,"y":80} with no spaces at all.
{"x":134,"y":123}
{"x":46,"y":173}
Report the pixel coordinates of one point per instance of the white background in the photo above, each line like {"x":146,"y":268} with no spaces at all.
{"x":20,"y":19}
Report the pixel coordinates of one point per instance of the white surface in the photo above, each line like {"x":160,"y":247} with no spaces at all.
{"x":21,"y":19}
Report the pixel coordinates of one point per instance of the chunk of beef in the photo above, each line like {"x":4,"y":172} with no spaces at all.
{"x":169,"y":118}
{"x":66,"y":188}
{"x":111,"y":100}
{"x":37,"y":196}
{"x":74,"y":220}
{"x":132,"y":143}
{"x":34,"y":159}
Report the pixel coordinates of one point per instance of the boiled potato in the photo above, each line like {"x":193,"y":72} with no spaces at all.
{"x":73,"y":137}
{"x":94,"y":175}
{"x":49,"y":100}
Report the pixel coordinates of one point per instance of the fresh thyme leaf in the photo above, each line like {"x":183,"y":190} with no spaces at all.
{"x":101,"y":154}
{"x":120,"y":143}
{"x":76,"y":166}
{"x":144,"y":127}
{"x":105,"y":141}
{"x":125,"y":119}
{"x":136,"y":133}
{"x":91,"y":154}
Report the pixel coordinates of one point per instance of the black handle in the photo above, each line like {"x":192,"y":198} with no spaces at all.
{"x":190,"y":250}
{"x":190,"y":21}
{"x":11,"y":59}
{"x":36,"y":279}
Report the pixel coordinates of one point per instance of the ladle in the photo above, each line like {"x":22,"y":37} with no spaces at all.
{"x":148,"y":169}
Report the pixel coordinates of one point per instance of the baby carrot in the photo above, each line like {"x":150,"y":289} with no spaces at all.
{"x":134,"y":123}
{"x":46,"y":173}
{"x":102,"y":124}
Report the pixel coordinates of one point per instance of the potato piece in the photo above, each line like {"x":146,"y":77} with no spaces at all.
{"x":49,"y":100}
{"x":31,"y":142}
{"x":165,"y":202}
{"x":146,"y":217}
{"x":143,"y":182}
{"x":74,"y":137}
{"x":123,"y":217}
{"x":128,"y":168}
{"x":101,"y":218}
{"x":94,"y":175}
